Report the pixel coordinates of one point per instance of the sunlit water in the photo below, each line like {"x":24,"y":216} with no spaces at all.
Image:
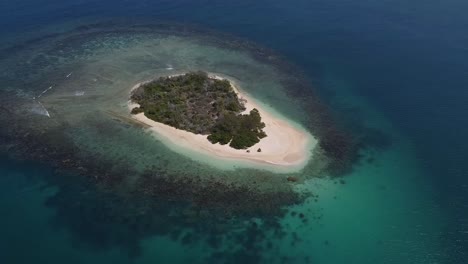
{"x":391,"y":208}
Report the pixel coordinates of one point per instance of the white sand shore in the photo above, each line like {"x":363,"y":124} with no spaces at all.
{"x":286,"y":145}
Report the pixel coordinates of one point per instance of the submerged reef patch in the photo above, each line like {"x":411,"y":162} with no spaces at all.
{"x":116,"y":188}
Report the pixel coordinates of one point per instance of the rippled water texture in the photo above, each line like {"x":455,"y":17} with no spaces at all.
{"x":121,"y":195}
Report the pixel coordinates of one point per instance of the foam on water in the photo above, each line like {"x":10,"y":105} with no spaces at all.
{"x":38,"y":108}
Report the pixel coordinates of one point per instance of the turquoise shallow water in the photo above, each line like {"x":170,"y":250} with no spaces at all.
{"x":382,"y":212}
{"x":397,"y":67}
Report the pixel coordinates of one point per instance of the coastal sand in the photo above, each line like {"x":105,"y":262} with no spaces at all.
{"x":285,"y":145}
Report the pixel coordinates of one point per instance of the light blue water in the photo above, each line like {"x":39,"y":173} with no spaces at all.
{"x":397,"y":66}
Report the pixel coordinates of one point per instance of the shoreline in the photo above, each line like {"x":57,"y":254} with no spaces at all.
{"x":285,"y":147}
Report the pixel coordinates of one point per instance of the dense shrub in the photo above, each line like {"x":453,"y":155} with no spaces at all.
{"x":201,"y":105}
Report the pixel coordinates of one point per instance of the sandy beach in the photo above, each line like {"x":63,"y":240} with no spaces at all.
{"x":286,"y":145}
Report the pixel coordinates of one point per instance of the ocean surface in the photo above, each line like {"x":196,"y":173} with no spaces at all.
{"x":397,"y":67}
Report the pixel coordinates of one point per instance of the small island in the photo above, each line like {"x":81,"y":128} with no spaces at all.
{"x":209,"y":118}
{"x":200,"y":104}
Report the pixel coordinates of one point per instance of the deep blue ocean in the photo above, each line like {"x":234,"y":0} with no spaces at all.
{"x":407,"y":61}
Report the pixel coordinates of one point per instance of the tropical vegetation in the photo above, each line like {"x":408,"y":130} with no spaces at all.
{"x":200,"y":104}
